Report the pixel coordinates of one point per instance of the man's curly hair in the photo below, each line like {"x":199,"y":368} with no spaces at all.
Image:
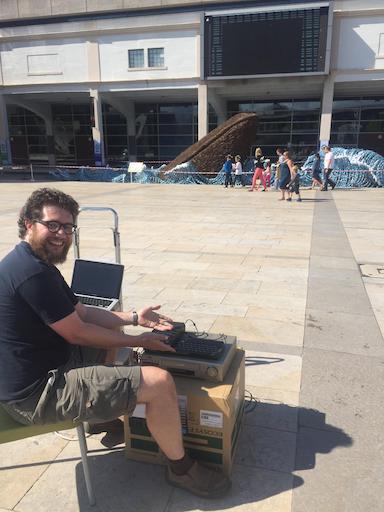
{"x":41,"y":197}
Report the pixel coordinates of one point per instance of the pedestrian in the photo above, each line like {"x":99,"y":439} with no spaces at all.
{"x":267,"y":173}
{"x":316,"y":179}
{"x":259,"y":171}
{"x":228,"y":171}
{"x":329,"y":162}
{"x":294,"y":184}
{"x":285,"y":174}
{"x":238,"y":177}
{"x":280,"y":160}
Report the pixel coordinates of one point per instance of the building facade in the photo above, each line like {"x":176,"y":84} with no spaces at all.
{"x":94,"y":82}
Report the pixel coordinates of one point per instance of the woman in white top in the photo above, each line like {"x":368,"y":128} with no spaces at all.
{"x":238,"y":171}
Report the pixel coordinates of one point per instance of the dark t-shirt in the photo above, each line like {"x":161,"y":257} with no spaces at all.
{"x":259,"y":162}
{"x":33,"y":295}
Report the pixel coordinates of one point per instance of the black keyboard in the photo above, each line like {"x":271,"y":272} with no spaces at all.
{"x":192,"y":346}
{"x":189,"y":344}
{"x":94,"y":301}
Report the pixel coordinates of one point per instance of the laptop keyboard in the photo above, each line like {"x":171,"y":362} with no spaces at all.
{"x":94,"y":301}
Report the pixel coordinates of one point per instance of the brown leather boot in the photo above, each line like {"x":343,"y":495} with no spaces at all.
{"x":201,"y":480}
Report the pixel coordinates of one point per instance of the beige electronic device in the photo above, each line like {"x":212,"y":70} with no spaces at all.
{"x":213,"y":370}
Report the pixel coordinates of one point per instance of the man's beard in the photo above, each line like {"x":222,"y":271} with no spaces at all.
{"x":42,"y":249}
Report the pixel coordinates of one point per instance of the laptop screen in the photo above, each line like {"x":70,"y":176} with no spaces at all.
{"x":97,"y":279}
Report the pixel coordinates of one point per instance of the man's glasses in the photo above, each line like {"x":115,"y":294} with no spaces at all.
{"x":54,"y":227}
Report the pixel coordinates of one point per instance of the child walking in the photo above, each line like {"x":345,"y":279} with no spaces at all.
{"x":238,"y":171}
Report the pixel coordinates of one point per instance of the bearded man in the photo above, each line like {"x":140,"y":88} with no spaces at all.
{"x":53,"y":349}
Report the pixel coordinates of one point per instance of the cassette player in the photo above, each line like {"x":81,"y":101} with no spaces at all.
{"x":206,"y":368}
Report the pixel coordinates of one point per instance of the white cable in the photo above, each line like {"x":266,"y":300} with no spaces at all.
{"x":68,"y":438}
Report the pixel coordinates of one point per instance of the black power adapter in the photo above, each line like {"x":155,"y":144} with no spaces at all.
{"x":174,"y":334}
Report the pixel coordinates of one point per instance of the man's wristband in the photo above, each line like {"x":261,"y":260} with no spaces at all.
{"x":135,"y":318}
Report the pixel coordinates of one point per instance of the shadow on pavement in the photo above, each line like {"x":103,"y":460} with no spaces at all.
{"x":310,"y":200}
{"x":275,"y":440}
{"x":256,"y":360}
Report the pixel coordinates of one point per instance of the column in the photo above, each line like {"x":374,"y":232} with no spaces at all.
{"x":94,"y":73}
{"x":97,"y":128}
{"x":131,"y":129}
{"x":219,"y":105}
{"x":326,"y":111}
{"x":202,"y":109}
{"x":50,"y":140}
{"x":5,"y":149}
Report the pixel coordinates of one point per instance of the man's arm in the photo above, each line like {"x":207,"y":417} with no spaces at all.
{"x":147,"y":317}
{"x":103,"y":317}
{"x":78,"y":332}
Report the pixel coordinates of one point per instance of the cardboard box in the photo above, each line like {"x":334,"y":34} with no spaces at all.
{"x":211,"y":415}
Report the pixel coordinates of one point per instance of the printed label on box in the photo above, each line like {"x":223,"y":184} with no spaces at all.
{"x":183,"y":407}
{"x":211,"y":419}
{"x":200,"y":431}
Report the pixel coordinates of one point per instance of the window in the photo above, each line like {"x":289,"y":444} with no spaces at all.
{"x":163,"y":130}
{"x":358,"y":122}
{"x":292,"y":124}
{"x":155,"y":57}
{"x":136,"y":58}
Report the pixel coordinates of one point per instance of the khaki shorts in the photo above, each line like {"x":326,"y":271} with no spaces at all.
{"x":84,"y":389}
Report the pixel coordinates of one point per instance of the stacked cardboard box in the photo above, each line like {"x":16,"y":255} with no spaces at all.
{"x":211,"y":416}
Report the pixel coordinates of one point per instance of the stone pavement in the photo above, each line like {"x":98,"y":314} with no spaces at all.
{"x":284,"y":278}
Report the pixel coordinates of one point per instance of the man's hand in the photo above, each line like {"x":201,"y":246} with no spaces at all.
{"x":154,"y":341}
{"x":147,"y":317}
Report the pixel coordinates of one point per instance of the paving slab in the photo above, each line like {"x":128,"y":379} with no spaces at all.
{"x":266,"y":448}
{"x":261,"y":330}
{"x":270,"y":408}
{"x":335,"y":479}
{"x":274,"y":371}
{"x":343,"y":332}
{"x":329,"y":296}
{"x":340,"y":276}
{"x":333,"y":262}
{"x":23,"y":463}
{"x":345,"y":387}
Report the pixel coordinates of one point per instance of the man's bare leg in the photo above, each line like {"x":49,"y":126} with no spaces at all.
{"x":157,"y":390}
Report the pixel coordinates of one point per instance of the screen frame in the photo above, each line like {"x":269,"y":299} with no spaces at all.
{"x":204,"y":50}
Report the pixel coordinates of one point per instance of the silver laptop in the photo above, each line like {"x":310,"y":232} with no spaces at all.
{"x":97,"y":284}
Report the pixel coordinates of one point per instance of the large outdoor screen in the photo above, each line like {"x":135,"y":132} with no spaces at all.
{"x":261,"y":43}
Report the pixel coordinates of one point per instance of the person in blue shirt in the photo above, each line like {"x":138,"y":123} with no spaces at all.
{"x":228,"y":171}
